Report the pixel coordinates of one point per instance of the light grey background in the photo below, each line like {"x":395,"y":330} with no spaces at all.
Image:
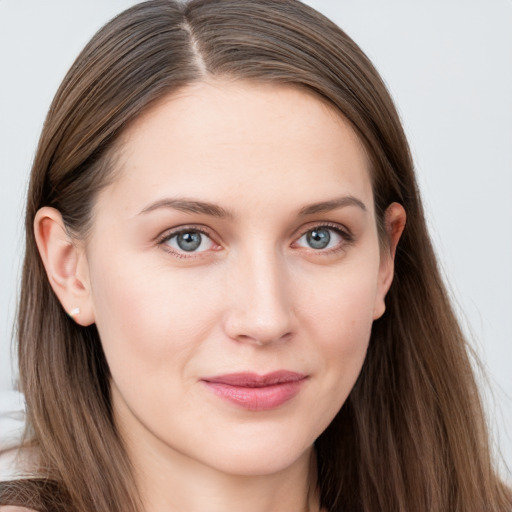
{"x":448,"y":64}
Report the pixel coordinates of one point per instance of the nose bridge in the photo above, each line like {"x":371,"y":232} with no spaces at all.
{"x":261,"y":309}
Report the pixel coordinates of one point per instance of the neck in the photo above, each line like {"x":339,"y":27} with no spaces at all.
{"x":179,"y":483}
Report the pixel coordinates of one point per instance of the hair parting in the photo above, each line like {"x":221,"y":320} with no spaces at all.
{"x":412,"y":435}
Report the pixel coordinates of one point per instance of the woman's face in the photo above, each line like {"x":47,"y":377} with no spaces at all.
{"x":234,"y":272}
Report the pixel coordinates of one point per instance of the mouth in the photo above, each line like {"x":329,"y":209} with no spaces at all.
{"x":255,"y":392}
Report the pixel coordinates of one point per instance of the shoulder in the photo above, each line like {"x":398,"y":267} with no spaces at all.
{"x":20,"y":496}
{"x":33,"y":495}
{"x":10,"y":508}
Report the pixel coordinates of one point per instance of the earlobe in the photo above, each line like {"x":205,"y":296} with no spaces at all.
{"x":395,"y":219}
{"x":65,"y":265}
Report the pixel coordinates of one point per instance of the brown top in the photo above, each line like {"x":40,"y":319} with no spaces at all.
{"x":31,"y":495}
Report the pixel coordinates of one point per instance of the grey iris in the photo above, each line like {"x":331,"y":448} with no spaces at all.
{"x":318,"y":238}
{"x":189,"y":240}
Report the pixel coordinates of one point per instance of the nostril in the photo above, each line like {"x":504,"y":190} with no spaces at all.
{"x":261,"y":341}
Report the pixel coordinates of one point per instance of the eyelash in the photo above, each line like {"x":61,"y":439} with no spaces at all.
{"x":343,"y":232}
{"x":168,"y":235}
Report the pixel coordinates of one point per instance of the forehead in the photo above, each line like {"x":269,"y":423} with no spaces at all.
{"x":222,"y":141}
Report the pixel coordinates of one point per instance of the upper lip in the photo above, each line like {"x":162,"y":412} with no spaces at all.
{"x":254,"y":380}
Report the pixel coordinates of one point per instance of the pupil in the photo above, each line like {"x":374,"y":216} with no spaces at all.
{"x":318,"y":238}
{"x":189,"y":241}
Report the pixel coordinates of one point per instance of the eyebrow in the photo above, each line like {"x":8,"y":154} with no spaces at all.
{"x":189,"y":206}
{"x":206,"y":208}
{"x":333,"y":204}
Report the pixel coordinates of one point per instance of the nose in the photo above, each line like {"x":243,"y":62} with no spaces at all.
{"x":260,"y":308}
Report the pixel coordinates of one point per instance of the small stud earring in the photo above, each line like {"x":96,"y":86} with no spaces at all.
{"x":74,"y":312}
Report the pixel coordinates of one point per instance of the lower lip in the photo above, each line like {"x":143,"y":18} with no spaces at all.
{"x":257,"y":399}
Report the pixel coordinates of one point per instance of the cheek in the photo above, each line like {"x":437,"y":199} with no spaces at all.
{"x":340,"y":318}
{"x":346,"y":327}
{"x":340,"y":303}
{"x":147,"y":318}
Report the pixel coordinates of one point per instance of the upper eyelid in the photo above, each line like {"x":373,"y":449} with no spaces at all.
{"x":343,"y":230}
{"x":169,"y":233}
{"x":297,"y":234}
{"x":162,"y":239}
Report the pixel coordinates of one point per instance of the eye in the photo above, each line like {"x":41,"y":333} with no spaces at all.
{"x":188,"y":241}
{"x":321,"y":238}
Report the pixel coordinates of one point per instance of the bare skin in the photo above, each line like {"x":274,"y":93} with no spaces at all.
{"x":10,"y":508}
{"x":239,"y":236}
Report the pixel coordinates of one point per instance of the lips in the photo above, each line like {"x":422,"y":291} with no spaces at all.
{"x":255,"y":392}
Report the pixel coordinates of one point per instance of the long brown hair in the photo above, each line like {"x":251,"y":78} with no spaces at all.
{"x":411,"y":436}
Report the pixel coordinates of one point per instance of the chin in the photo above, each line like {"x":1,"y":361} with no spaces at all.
{"x":252,"y":464}
{"x":259,"y":454}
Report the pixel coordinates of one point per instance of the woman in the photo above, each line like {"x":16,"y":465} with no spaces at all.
{"x":229,"y":296}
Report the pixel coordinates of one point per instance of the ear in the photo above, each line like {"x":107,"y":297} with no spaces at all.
{"x":394,"y":218}
{"x":65,"y":264}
